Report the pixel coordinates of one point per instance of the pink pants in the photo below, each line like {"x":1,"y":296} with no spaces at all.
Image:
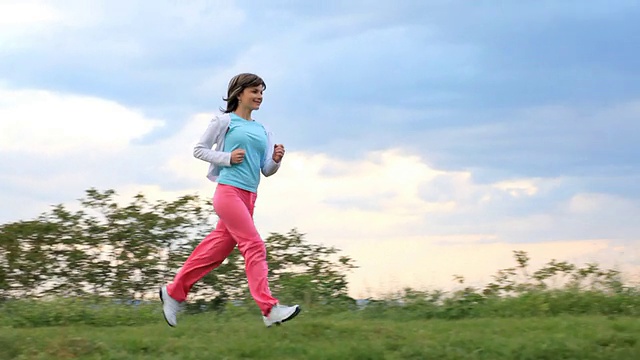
{"x":234,"y":208}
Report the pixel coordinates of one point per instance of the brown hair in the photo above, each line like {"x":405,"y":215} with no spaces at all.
{"x":237,"y":84}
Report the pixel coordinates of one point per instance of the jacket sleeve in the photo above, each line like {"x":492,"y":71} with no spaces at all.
{"x":270,"y":167}
{"x":203,"y":149}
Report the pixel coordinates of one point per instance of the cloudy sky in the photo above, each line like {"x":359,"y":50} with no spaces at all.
{"x":425,"y":138}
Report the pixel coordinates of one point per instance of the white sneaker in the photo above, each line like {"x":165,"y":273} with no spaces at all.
{"x":170,"y":307}
{"x":280,"y":313}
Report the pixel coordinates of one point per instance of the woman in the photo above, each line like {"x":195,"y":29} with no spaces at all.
{"x":244,"y":148}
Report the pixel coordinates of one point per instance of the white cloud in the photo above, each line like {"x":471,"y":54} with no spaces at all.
{"x":107,"y":40}
{"x":588,"y":203}
{"x":26,"y":13}
{"x":42,"y":122}
{"x":22,"y":20}
{"x":28,"y":22}
{"x":518,"y":188}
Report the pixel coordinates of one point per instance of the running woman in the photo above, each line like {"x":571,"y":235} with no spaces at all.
{"x":243,"y":150}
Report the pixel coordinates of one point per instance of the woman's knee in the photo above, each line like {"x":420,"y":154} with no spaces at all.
{"x":253,"y":246}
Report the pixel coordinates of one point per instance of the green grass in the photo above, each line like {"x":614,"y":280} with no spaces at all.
{"x":347,"y":335}
{"x":74,"y":311}
{"x":550,"y":324}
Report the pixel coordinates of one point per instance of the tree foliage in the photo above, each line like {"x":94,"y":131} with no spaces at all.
{"x":106,"y":249}
{"x":304,"y":271}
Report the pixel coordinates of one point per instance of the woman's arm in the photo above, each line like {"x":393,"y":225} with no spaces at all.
{"x":270,"y":167}
{"x":203,"y":149}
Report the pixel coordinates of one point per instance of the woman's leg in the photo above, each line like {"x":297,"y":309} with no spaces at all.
{"x":208,"y":255}
{"x":235,"y":207}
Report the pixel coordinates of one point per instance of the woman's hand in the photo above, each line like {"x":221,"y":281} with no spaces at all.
{"x":278,"y":152}
{"x":237,"y":156}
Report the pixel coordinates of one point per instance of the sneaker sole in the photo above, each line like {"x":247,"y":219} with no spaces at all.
{"x":295,"y":313}
{"x":163,"y":315}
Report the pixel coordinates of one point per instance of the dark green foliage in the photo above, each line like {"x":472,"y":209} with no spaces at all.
{"x":126,"y":252}
{"x":308,"y":273}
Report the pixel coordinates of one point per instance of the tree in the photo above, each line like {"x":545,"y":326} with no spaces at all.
{"x":26,"y":263}
{"x":307,"y":272}
{"x":127,"y":251}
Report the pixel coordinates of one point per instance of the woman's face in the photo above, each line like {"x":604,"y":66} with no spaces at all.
{"x":251,"y":97}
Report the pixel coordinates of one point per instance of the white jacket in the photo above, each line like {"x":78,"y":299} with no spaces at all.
{"x":214,"y":135}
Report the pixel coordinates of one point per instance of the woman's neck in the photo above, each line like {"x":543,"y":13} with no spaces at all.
{"x":243,"y":113}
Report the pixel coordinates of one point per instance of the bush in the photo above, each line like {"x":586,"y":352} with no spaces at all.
{"x":469,"y":304}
